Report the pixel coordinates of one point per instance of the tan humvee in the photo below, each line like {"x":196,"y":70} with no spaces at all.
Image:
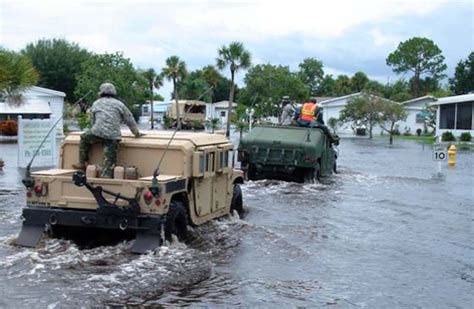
{"x":190,"y":112}
{"x":196,"y":183}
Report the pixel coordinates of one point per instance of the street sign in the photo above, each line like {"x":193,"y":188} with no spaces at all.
{"x":440,"y":152}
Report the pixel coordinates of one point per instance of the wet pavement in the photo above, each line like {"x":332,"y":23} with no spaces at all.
{"x":389,"y":230}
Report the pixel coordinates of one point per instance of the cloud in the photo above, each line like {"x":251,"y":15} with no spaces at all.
{"x":347,"y":35}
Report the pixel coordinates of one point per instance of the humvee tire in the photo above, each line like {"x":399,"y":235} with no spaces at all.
{"x":176,"y":221}
{"x":312,"y":175}
{"x":237,"y":201}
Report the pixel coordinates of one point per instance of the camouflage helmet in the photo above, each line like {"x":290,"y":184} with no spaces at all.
{"x":107,"y":89}
{"x":312,"y":99}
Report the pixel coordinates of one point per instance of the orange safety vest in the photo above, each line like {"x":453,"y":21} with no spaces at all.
{"x":308,"y":111}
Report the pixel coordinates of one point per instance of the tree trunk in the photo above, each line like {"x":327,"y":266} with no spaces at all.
{"x":152,"y":119}
{"x":178,"y":118}
{"x":231,"y":98}
{"x":370,"y":129}
{"x":240,"y":134}
{"x":417,"y":84}
{"x":390,"y":139}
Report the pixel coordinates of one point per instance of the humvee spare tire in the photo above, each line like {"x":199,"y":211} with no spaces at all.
{"x":176,"y":221}
{"x":237,"y":201}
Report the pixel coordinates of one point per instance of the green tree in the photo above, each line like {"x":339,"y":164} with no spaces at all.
{"x":374,"y":87}
{"x":193,"y":86}
{"x":342,"y":85}
{"x":364,"y":110}
{"x":266,"y":84}
{"x":463,"y":80}
{"x":359,"y":81}
{"x":155,"y":81}
{"x":333,"y":124}
{"x":212,"y":78}
{"x":58,"y":63}
{"x":326,"y":86}
{"x":16,"y":74}
{"x":236,"y":57}
{"x":174,"y":71}
{"x":311,"y":73}
{"x":398,"y":91}
{"x":420,"y":56}
{"x":391,"y":114}
{"x":113,"y":68}
{"x":213,"y":124}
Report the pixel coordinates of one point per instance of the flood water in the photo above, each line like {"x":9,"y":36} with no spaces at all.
{"x":390,"y":230}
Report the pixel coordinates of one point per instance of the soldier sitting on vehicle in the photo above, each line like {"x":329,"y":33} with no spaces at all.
{"x":107,"y":115}
{"x":311,"y":115}
{"x":288,"y":112}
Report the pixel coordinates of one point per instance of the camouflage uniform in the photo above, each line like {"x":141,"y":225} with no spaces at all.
{"x":287,"y":114}
{"x":107,"y":115}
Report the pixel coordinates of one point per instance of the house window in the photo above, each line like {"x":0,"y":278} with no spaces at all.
{"x":447,"y":116}
{"x":222,"y":113}
{"x":464,"y":116}
{"x":422,"y":116}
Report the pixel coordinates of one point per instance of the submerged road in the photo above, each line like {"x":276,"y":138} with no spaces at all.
{"x":387,"y":231}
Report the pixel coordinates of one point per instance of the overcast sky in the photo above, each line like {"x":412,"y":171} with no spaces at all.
{"x":348,"y":36}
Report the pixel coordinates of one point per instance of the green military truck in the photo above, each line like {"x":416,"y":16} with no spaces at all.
{"x":288,"y":153}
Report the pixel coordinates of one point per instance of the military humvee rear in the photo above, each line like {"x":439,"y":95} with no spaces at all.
{"x":290,"y":153}
{"x":191,"y":112}
{"x":196,"y":183}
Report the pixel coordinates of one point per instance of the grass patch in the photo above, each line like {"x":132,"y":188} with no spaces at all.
{"x":421,"y":139}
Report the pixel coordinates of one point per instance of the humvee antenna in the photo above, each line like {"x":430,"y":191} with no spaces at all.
{"x":27,"y":181}
{"x":154,"y":181}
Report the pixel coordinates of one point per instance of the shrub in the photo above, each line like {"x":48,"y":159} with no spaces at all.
{"x":83,"y":121}
{"x":66,"y":129}
{"x":465,"y":137}
{"x":8,"y":127}
{"x":448,"y":137}
{"x":418,"y":131}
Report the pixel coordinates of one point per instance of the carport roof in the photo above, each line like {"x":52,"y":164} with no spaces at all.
{"x":455,"y":99}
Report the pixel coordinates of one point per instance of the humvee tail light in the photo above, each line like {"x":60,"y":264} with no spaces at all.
{"x":41,"y":190}
{"x":157,"y":202}
{"x":148,"y":197}
{"x":38,"y":189}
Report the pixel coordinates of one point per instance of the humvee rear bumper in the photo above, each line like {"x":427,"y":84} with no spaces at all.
{"x":148,"y":228}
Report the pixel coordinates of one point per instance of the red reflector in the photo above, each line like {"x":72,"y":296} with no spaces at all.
{"x":157,"y":202}
{"x":29,"y":194}
{"x":38,"y":189}
{"x":148,"y":196}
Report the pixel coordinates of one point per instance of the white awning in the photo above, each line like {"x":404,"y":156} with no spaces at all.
{"x":27,"y":107}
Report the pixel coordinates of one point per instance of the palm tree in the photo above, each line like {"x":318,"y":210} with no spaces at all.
{"x":211,"y":76}
{"x":236,"y":57}
{"x":155,"y":81}
{"x":175,"y":70}
{"x":16,"y":74}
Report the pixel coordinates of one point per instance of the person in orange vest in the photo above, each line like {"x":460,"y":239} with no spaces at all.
{"x":310,"y":113}
{"x":312,"y":116}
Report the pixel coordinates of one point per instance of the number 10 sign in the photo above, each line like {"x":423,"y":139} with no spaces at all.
{"x":440,"y":152}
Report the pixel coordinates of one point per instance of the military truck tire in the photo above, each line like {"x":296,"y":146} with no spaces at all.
{"x":251,"y":172}
{"x":176,"y":221}
{"x":237,"y":203}
{"x":312,"y":175}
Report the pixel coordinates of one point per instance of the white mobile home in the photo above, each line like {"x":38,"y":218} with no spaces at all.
{"x":455,"y":114}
